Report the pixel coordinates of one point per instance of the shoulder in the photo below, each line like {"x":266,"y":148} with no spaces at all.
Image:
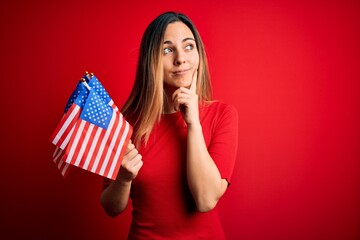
{"x":218,"y":112}
{"x":219,"y":123}
{"x":218,"y":108}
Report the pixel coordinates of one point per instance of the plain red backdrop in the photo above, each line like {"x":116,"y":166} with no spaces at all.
{"x":290,"y":69}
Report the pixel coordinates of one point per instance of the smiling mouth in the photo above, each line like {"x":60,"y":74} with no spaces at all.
{"x":181,"y":72}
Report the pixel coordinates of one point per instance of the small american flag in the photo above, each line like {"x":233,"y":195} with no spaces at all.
{"x":63,"y":131}
{"x":93,"y":134}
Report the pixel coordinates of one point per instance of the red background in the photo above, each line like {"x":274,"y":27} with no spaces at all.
{"x":290,"y":69}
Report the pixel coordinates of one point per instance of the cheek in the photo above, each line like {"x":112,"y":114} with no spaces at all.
{"x":166,"y":67}
{"x":195,"y":60}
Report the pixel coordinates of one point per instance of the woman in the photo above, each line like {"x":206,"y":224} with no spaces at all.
{"x":184,"y":143}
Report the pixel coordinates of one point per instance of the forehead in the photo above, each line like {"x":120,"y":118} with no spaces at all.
{"x":177,"y":31}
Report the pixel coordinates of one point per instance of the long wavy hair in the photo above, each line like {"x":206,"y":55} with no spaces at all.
{"x":145,"y":104}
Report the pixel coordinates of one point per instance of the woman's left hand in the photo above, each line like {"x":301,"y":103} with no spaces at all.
{"x":186,"y":101}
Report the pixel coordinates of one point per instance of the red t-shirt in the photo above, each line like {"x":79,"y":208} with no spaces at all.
{"x":163,"y":207}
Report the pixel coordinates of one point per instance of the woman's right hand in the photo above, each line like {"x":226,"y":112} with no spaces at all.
{"x":131,"y":164}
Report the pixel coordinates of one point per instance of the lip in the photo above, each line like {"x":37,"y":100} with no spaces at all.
{"x":181,"y":72}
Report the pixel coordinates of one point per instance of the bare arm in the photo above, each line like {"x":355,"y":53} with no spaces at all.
{"x":204,"y":179}
{"x":114,"y":199}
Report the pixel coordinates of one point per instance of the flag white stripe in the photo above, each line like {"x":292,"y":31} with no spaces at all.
{"x":58,"y":154}
{"x":56,"y":151}
{"x":59,"y":164}
{"x":112,"y":104}
{"x":66,"y":124}
{"x":92,"y":148}
{"x":121,"y":144}
{"x":103,"y":143}
{"x":76,"y":141}
{"x":84,"y":145}
{"x":65,"y":169}
{"x":111,"y":147}
{"x":67,"y":139}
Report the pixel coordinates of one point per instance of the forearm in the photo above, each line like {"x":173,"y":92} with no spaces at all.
{"x":115,"y":197}
{"x":204,"y":178}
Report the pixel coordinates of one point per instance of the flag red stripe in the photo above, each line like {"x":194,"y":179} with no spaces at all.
{"x":86,"y":134}
{"x":77,"y":148}
{"x":106,"y":142}
{"x":75,"y":144}
{"x":107,"y":168}
{"x":98,"y":150}
{"x":65,"y":125}
{"x":67,"y":139}
{"x":120,"y":154}
{"x":94,"y":149}
{"x":63,"y":167}
{"x":110,"y":144}
{"x":88,"y":143}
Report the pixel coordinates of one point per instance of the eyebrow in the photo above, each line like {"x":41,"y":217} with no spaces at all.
{"x":184,"y":40}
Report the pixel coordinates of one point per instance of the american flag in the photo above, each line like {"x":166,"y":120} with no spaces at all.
{"x":62,"y":133}
{"x":72,"y":113}
{"x":93,"y":134}
{"x":73,"y":108}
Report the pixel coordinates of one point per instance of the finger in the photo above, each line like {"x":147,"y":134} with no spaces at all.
{"x":138,"y":166}
{"x":129,"y":163}
{"x":181,"y":96}
{"x":135,"y":161}
{"x":176,"y":106}
{"x":131,"y":154}
{"x":129,"y":147}
{"x":194,"y":81}
{"x":179,"y":90}
{"x":181,"y":102}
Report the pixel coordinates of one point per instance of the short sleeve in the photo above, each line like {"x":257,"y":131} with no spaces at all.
{"x":224,"y":141}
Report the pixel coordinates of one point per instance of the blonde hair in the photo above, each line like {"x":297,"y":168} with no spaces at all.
{"x":145,"y":104}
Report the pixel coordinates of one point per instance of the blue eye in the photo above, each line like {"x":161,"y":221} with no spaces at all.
{"x":189,"y":47}
{"x":167,"y":50}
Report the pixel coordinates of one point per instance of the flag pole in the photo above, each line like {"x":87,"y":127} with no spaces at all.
{"x":83,"y":81}
{"x":87,"y":76}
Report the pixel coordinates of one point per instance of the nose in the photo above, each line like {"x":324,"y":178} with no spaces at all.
{"x":179,"y":58}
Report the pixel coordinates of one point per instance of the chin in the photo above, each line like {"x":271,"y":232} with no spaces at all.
{"x":185,"y":85}
{"x":178,"y":83}
{"x":182,"y":82}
